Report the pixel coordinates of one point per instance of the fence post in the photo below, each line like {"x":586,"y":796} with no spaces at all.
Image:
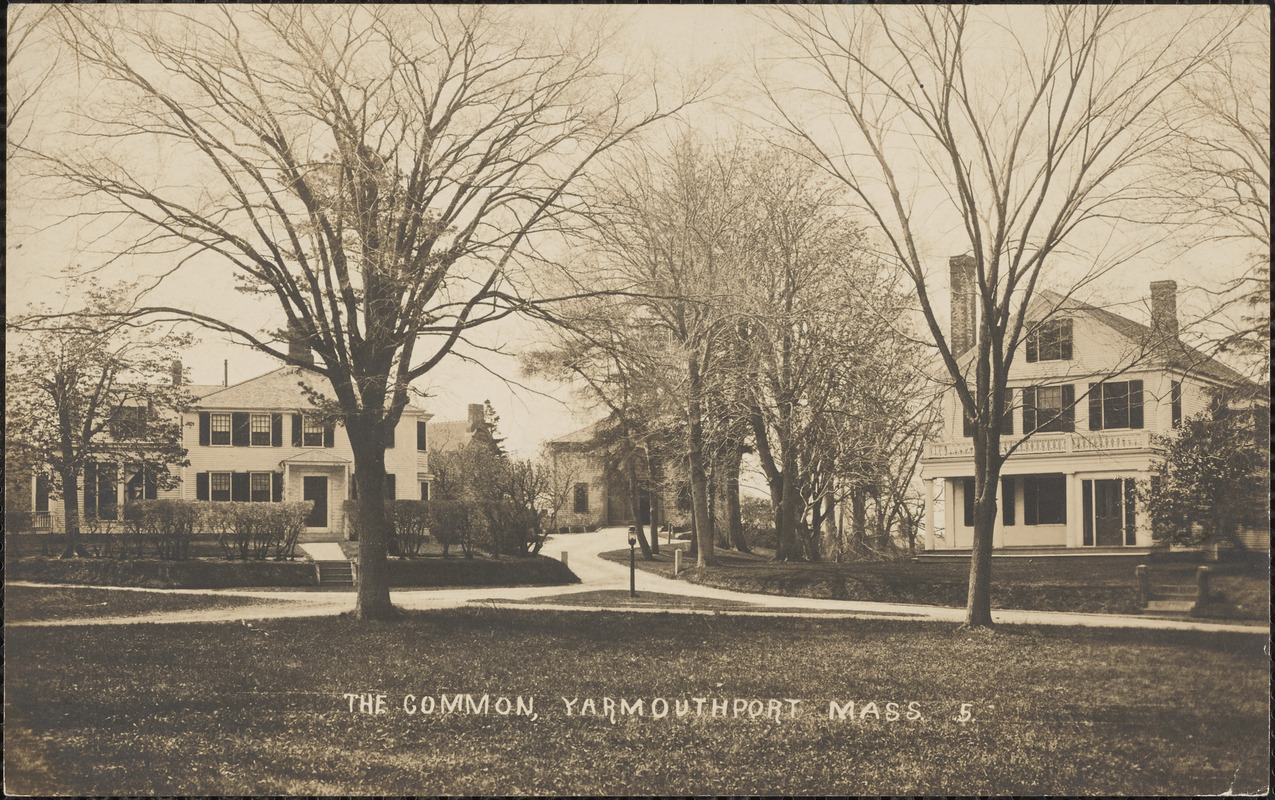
{"x":564,"y":558}
{"x":677,"y":561}
{"x":1143,"y":577}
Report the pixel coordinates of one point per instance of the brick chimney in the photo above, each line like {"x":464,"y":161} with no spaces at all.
{"x":964,"y":304}
{"x":477,"y":416}
{"x":1164,"y":309}
{"x":297,"y":346}
{"x":176,"y":371}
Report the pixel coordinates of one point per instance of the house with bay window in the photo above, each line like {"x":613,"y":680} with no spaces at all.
{"x":1086,"y":395}
{"x":255,"y":442}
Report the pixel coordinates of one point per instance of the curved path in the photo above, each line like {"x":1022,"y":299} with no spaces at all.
{"x":597,"y":574}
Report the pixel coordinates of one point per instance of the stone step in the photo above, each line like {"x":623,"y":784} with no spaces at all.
{"x":1173,"y":591}
{"x":1174,"y":606}
{"x":335,"y":572}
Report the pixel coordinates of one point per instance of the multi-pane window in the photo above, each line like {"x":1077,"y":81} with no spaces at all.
{"x":220,"y":429}
{"x":219,"y":486}
{"x":581,"y":505}
{"x":260,"y":491}
{"x":1049,"y":408}
{"x":261,"y":430}
{"x":1115,"y":404}
{"x":311,"y":433}
{"x":1050,"y":341}
{"x":424,"y":490}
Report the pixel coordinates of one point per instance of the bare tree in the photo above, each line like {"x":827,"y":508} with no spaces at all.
{"x":378,"y":173}
{"x":1025,"y":149}
{"x":28,"y":37}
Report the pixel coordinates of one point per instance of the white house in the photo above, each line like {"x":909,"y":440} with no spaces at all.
{"x":1091,"y":387}
{"x":254,"y":442}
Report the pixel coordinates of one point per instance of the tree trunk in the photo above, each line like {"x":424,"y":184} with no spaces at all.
{"x":71,"y":511}
{"x":786,"y":513}
{"x":372,"y":594}
{"x":699,"y":478}
{"x":734,"y":516}
{"x":987,"y":465}
{"x":652,"y":499}
{"x":858,"y":518}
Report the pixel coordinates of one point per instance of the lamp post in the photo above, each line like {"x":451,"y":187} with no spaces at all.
{"x":632,"y":561}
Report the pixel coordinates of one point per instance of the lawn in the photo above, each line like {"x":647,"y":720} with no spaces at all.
{"x":227,"y":709}
{"x":1086,"y":585}
{"x":25,"y":603}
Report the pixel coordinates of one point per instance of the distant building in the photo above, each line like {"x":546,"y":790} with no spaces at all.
{"x":255,"y":442}
{"x":1071,"y":486}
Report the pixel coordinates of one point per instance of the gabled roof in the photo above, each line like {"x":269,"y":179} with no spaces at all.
{"x":315,"y":457}
{"x":278,"y":389}
{"x":1172,"y":355}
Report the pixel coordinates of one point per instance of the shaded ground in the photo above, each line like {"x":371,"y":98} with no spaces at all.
{"x":1081,"y":585}
{"x":24,"y":603}
{"x":1051,"y":711}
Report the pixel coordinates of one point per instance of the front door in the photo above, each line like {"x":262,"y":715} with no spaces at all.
{"x":315,"y":487}
{"x":1108,"y":513}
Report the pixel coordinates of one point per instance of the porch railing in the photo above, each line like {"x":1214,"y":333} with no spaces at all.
{"x":1088,"y":442}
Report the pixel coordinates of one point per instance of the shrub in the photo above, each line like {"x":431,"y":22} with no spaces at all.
{"x":168,"y":524}
{"x":253,"y":530}
{"x":454,"y":522}
{"x":19,"y":521}
{"x":411,"y":526}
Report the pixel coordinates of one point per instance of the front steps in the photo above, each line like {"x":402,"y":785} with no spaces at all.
{"x":1171,"y":599}
{"x":335,"y":573}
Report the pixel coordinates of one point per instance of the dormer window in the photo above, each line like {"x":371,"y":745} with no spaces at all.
{"x":1050,"y":341}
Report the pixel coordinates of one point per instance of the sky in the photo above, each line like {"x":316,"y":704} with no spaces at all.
{"x":678,"y":40}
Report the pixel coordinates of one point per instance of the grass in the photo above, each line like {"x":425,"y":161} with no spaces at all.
{"x":30,"y":603}
{"x":227,"y":709}
{"x":620,"y":598}
{"x":1083,"y":585}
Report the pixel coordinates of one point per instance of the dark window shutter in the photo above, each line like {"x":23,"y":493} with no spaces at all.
{"x":967,"y":423}
{"x":1095,"y":406}
{"x":1130,"y":512}
{"x":1087,"y":510}
{"x":1064,"y":334}
{"x":90,"y":488}
{"x":276,"y":430}
{"x":421,"y":435}
{"x":1029,"y":409}
{"x":41,"y":492}
{"x":296,"y":430}
{"x":201,"y":486}
{"x":1135,"y":404}
{"x":239,"y":430}
{"x":150,"y":483}
{"x":390,"y":486}
{"x":1007,"y":416}
{"x":1068,"y":407}
{"x":967,"y":499}
{"x":205,"y":427}
{"x":240,"y":487}
{"x":424,"y":491}
{"x":1007,"y":501}
{"x":389,"y":439}
{"x":329,"y":436}
{"x":1175,"y":400}
{"x":1030,"y":494}
{"x":354,"y":486}
{"x":1031,"y":346}
{"x":276,"y":487}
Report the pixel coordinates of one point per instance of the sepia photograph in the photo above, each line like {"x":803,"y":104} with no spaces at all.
{"x":637,"y":400}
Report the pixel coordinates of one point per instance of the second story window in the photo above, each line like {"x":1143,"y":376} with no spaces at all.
{"x":261,"y":430}
{"x":220,"y":429}
{"x":1175,"y":401}
{"x":1114,"y":405}
{"x":1050,"y":341}
{"x":311,"y":434}
{"x":1049,"y":409}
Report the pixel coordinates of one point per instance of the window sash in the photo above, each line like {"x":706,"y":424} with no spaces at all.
{"x":581,"y":505}
{"x":220,"y":432}
{"x":311,"y":433}
{"x":260,"y":426}
{"x":259,"y":490}
{"x":219,"y":486}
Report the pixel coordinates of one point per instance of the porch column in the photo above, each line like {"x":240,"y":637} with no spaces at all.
{"x":998,"y":524}
{"x":1142,"y":528}
{"x":1075,"y":510}
{"x":929,"y":513}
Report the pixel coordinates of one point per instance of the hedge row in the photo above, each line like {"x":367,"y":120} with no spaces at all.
{"x":157,"y":574}
{"x":166,"y":528}
{"x":496,"y":528}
